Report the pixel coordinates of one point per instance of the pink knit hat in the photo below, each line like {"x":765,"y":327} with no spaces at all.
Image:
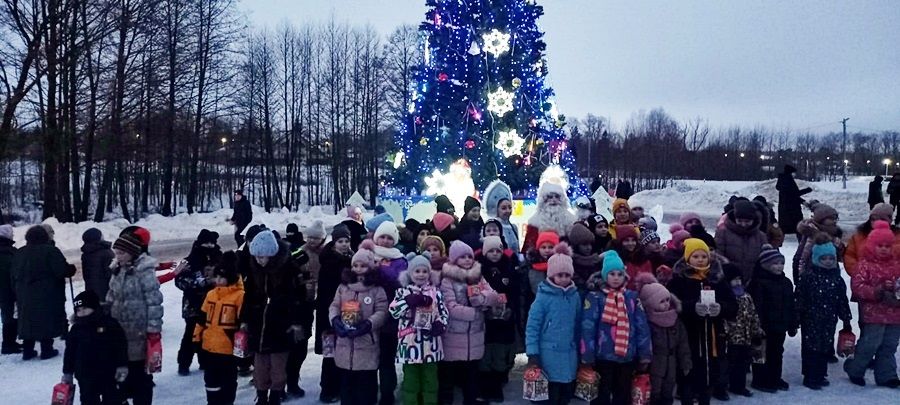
{"x":688,"y":216}
{"x":680,"y":236}
{"x":561,"y":261}
{"x":881,"y":235}
{"x":365,"y":254}
{"x":442,"y":221}
{"x":459,"y":249}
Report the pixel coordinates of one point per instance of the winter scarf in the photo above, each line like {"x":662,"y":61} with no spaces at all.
{"x":664,"y":319}
{"x":593,"y":260}
{"x":387,"y":253}
{"x":615,"y":314}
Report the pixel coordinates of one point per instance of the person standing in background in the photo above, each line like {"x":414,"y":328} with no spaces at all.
{"x":875,"y":194}
{"x":243,"y":215}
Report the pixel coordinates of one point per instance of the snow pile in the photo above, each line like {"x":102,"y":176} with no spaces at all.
{"x":710,"y":197}
{"x":182,"y":226}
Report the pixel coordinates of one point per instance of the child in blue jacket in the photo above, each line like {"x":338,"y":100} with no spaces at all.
{"x":615,"y":333}
{"x":551,"y":334}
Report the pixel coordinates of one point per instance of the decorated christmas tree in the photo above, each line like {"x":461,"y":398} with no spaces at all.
{"x":480,"y":96}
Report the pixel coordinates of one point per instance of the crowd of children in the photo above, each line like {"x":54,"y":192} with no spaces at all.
{"x":454,"y":301}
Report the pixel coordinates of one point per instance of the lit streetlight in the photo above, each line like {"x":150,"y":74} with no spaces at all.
{"x":224,"y":140}
{"x":742,"y":155}
{"x":887,"y":164}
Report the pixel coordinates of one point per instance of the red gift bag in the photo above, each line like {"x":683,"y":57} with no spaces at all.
{"x":846,"y":343}
{"x":240,"y":344}
{"x":154,"y":356}
{"x":63,"y":394}
{"x":640,"y":389}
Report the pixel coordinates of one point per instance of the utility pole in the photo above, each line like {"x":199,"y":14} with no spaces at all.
{"x":844,"y":152}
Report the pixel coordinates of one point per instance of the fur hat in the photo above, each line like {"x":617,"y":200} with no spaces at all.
{"x":611,"y":262}
{"x":442,"y":221}
{"x":692,"y":245}
{"x":86,"y":299}
{"x":546,"y":237}
{"x":340,"y":231}
{"x":491,"y":242}
{"x":127,"y":243}
{"x":92,"y":235}
{"x":687,"y":217}
{"x":433,"y":240}
{"x":626,"y":231}
{"x":581,"y":235}
{"x":459,"y":249}
{"x":387,"y":228}
{"x":882,"y":211}
{"x":881,"y":235}
{"x":471,"y":202}
{"x":769,"y":254}
{"x":822,"y":211}
{"x":619,"y":203}
{"x":561,"y":261}
{"x":365,"y":255}
{"x":264,"y":244}
{"x":649,"y":236}
{"x":316,"y":230}
{"x":444,"y":205}
{"x":376,"y":221}
{"x":744,"y":210}
{"x":495,"y":193}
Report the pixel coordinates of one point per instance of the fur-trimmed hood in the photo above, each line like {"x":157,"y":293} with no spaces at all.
{"x":372,"y":277}
{"x":455,"y":273}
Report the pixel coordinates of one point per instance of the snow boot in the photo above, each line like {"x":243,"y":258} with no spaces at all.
{"x":294,"y":391}
{"x":860,"y":381}
{"x":11,"y":348}
{"x":894,"y":383}
{"x":262,"y":397}
{"x":275,"y":397}
{"x":811,"y":384}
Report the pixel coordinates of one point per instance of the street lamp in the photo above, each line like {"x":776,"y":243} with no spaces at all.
{"x":887,"y":164}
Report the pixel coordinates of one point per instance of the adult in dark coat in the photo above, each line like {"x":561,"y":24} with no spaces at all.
{"x":39,"y":272}
{"x":790,"y":198}
{"x":624,"y":190}
{"x":96,"y":256}
{"x":893,"y":190}
{"x":243,"y":215}
{"x":875,"y":194}
{"x":7,"y":291}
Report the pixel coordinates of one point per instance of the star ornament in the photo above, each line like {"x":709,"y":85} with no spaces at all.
{"x":496,"y":42}
{"x":500,"y":102}
{"x":510,"y":143}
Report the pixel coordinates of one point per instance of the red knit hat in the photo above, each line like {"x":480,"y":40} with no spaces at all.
{"x":881,"y":235}
{"x":442,"y":221}
{"x":626,"y":231}
{"x":547,"y":237}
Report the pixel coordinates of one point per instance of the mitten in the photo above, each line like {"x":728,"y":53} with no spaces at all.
{"x":340,"y":328}
{"x":534,"y":360}
{"x":714,"y":309}
{"x":121,"y":374}
{"x":418,"y":300}
{"x":437,"y":329}
{"x":362,"y":328}
{"x":701,"y":309}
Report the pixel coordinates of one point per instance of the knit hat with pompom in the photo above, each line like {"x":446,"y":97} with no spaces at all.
{"x":561,"y":261}
{"x":881,"y":235}
{"x":365,"y":254}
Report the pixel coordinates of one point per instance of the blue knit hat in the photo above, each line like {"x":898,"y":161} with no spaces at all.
{"x":611,"y":262}
{"x":264,"y":244}
{"x":821,"y":250}
{"x":373,"y":223}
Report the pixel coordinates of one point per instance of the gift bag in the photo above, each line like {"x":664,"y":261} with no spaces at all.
{"x":240,"y":344}
{"x":587,"y":384}
{"x":423,"y":318}
{"x":535,"y":386}
{"x":63,"y":394}
{"x":328,"y":342}
{"x":350,"y":313}
{"x":154,"y":356}
{"x":846,"y":343}
{"x":640,"y":389}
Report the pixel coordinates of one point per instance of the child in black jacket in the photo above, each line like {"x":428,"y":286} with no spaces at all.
{"x":500,"y":322}
{"x":96,"y":352}
{"x":773,"y":294}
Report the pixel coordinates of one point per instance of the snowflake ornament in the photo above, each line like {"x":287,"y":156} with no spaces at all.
{"x":510,"y":143}
{"x":500,"y":102}
{"x":496,"y":42}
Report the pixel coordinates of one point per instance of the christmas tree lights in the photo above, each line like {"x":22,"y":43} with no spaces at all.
{"x":480,"y":95}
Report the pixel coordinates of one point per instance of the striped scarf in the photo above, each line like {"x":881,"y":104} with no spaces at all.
{"x":615,"y":314}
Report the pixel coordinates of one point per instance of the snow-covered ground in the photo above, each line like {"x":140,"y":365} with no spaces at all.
{"x":31,"y":382}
